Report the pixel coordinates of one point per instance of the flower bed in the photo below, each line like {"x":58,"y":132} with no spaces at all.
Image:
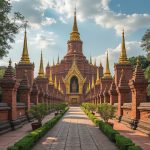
{"x":29,"y":140}
{"x":122,"y":142}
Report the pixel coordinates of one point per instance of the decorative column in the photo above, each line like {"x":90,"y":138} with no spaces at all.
{"x":123,"y":93}
{"x":106,"y":95}
{"x":113,"y":93}
{"x":34,"y":93}
{"x":9,"y":88}
{"x":24,"y":90}
{"x":41,"y":96}
{"x":138,"y":85}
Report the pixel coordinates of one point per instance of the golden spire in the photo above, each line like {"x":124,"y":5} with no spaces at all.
{"x":59,"y":88}
{"x":89,"y":86}
{"x":55,"y":82}
{"x":123,"y":56}
{"x":93,"y":84}
{"x":50,"y":77}
{"x":41,"y":69}
{"x":97,"y":77}
{"x":75,"y":35}
{"x":107,"y":73}
{"x":25,"y":56}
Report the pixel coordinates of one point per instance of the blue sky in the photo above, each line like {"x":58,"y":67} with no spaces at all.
{"x":100,"y":24}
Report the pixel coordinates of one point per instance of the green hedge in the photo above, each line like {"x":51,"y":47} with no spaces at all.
{"x":122,"y":142}
{"x":29,"y":140}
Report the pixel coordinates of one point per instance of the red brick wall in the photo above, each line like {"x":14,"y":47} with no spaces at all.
{"x":3,"y":115}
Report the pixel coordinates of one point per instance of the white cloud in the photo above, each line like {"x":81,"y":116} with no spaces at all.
{"x":133,"y":49}
{"x":48,"y":21}
{"x":100,"y":12}
{"x":43,"y":40}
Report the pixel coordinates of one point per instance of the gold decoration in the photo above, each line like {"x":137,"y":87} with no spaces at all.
{"x":58,"y":60}
{"x":41,"y":70}
{"x":75,"y":35}
{"x":74,"y":71}
{"x":89,"y":86}
{"x":55,"y":82}
{"x":123,"y":56}
{"x":25,"y":56}
{"x":50,"y":77}
{"x":107,"y":73}
{"x":97,"y":77}
{"x":59,"y":88}
{"x":93,"y":84}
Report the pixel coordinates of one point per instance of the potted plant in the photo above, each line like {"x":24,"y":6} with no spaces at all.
{"x":38,"y":112}
{"x":107,"y":112}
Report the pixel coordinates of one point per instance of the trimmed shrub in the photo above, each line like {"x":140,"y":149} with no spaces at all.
{"x":134,"y":148}
{"x":122,"y":142}
{"x":29,"y":140}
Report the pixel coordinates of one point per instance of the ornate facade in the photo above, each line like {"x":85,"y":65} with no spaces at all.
{"x":74,"y":71}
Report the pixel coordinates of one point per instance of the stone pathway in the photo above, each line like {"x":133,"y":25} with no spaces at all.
{"x":75,"y":132}
{"x":12,"y":137}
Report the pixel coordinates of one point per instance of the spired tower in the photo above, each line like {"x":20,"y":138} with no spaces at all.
{"x":74,"y":71}
{"x":25,"y":64}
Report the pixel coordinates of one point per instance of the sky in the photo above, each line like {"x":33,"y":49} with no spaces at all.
{"x":100,"y":23}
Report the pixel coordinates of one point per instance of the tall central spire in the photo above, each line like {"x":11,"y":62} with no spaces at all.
{"x":75,"y":35}
{"x":123,"y":56}
{"x":25,"y":56}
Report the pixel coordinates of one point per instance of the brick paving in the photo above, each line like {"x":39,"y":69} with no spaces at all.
{"x":136,"y":136}
{"x":12,"y":137}
{"x":75,"y":132}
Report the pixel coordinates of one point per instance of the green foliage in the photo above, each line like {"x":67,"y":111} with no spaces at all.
{"x":106,"y":111}
{"x":145,"y":43}
{"x":134,"y":148}
{"x":147,"y":76}
{"x":38,"y":111}
{"x":143,"y":60}
{"x":122,"y":142}
{"x":8,"y":26}
{"x":29,"y":140}
{"x":89,"y":106}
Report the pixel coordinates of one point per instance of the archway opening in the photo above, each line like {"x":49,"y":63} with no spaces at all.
{"x":74,"y":85}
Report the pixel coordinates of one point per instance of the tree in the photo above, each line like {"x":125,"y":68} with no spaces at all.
{"x":8,"y":26}
{"x":144,"y":62}
{"x":106,"y":111}
{"x":145,"y":43}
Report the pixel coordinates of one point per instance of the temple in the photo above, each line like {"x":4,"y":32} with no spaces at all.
{"x":74,"y":80}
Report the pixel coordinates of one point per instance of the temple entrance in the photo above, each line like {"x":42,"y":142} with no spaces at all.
{"x":74,"y":85}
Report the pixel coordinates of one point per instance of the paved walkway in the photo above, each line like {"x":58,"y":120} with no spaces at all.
{"x":12,"y":137}
{"x":136,"y":136}
{"x":75,"y":132}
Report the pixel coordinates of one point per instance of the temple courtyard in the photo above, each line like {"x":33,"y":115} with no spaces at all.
{"x":75,"y":132}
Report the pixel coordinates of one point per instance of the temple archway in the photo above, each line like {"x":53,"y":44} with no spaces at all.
{"x":74,"y":85}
